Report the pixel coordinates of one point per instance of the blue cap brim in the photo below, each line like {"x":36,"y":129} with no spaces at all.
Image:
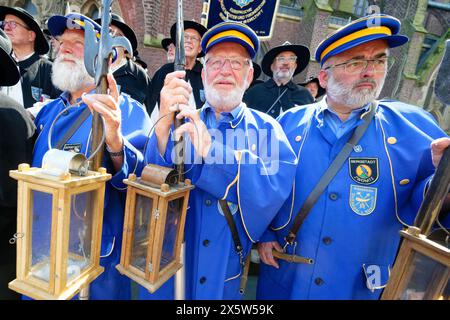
{"x":392,"y":42}
{"x":231,"y":26}
{"x":58,"y":24}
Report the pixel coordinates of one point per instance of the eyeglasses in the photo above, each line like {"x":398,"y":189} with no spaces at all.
{"x":382,"y":64}
{"x":237,"y":63}
{"x":191,"y":38}
{"x":290,"y":59}
{"x":12,"y":25}
{"x":115,"y":33}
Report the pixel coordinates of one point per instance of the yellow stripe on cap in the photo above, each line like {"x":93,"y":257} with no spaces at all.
{"x":83,"y":24}
{"x":354,"y":36}
{"x":232,"y":33}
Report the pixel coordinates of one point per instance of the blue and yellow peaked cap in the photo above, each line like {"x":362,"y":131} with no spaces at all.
{"x":231,"y":31}
{"x":58,"y":24}
{"x":365,"y":29}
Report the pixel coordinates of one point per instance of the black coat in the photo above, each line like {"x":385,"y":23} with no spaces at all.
{"x":16,"y":144}
{"x":194,"y":76}
{"x":262,"y":97}
{"x":134,"y":81}
{"x":36,"y":77}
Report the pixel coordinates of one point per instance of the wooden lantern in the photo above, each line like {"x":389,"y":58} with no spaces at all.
{"x":59,"y":227}
{"x":153,"y":230}
{"x":421,"y":270}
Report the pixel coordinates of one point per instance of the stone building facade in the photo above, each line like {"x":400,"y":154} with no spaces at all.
{"x":307,"y":22}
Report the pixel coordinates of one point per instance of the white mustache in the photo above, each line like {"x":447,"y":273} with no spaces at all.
{"x":216,"y":81}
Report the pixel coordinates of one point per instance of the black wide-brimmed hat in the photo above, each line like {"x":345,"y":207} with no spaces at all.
{"x":118,"y":21}
{"x":139,"y":60}
{"x":40,"y":44}
{"x":188,"y":24}
{"x":9,"y":74}
{"x":166,"y":42}
{"x":256,"y":70}
{"x":321,"y":91}
{"x":300,"y":51}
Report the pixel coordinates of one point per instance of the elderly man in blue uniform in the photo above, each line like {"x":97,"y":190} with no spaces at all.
{"x":351,"y":232}
{"x":126,"y":127}
{"x":234,"y":152}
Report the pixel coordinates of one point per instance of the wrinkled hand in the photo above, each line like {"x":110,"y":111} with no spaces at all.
{"x":175,"y":93}
{"x":438,"y":147}
{"x":174,"y":97}
{"x":108,"y":106}
{"x":196,"y":128}
{"x":265,"y":252}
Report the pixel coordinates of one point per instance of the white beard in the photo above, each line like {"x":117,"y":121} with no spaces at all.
{"x":70,"y":77}
{"x":224,"y":102}
{"x":353,"y":98}
{"x":283,"y":76}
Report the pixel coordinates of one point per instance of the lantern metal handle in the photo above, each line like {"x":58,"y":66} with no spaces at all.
{"x":16,"y":236}
{"x":50,"y":132}
{"x":148,"y":138}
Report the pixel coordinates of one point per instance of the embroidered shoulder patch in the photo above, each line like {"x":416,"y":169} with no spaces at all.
{"x":363,"y":200}
{"x":36,"y":93}
{"x":363,"y":170}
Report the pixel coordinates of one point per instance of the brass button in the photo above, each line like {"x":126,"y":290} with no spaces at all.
{"x":298,"y":138}
{"x":392,"y":140}
{"x":404,"y":182}
{"x":254,"y":147}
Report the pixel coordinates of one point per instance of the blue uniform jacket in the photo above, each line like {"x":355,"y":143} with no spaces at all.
{"x":135,"y":128}
{"x":254,"y":186}
{"x":352,"y":232}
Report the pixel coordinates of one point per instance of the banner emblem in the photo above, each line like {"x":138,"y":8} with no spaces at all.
{"x":242,"y":3}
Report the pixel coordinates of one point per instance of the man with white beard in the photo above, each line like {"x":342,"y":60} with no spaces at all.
{"x":234,"y":154}
{"x":349,"y":225}
{"x":126,"y":128}
{"x":280,"y":93}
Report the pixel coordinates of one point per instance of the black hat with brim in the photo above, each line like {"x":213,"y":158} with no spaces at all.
{"x":256,"y":70}
{"x":40,"y":44}
{"x":118,"y":21}
{"x":141,"y":62}
{"x":8,"y":68}
{"x":165,"y":43}
{"x":320,"y":92}
{"x":188,"y":24}
{"x":300,"y":51}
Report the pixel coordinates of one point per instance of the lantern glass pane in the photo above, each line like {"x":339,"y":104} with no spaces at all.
{"x":81,"y":230}
{"x":41,"y":208}
{"x":143,"y":211}
{"x":174,"y":211}
{"x":428,"y":277}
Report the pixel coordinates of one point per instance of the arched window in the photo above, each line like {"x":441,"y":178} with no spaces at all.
{"x":91,"y":10}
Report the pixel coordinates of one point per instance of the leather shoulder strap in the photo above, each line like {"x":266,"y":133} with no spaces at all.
{"x":329,"y":174}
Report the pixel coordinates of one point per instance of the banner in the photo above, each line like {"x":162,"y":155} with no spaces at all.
{"x":257,"y":14}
